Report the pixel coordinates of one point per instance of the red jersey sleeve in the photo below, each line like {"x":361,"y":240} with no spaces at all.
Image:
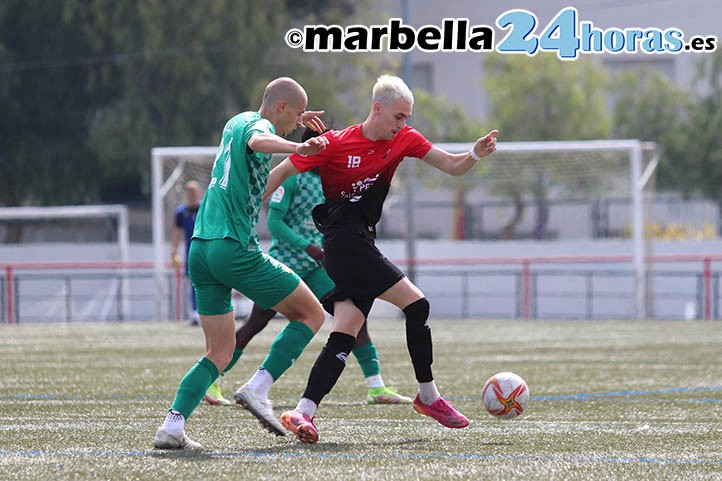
{"x":416,"y":144}
{"x":304,"y":163}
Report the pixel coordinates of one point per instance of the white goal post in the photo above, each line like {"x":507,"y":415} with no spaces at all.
{"x":163,"y":184}
{"x":622,"y":166}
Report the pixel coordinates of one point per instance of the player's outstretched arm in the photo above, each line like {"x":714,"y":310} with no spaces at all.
{"x":268,"y":143}
{"x":459,"y":164}
{"x":278,"y":174}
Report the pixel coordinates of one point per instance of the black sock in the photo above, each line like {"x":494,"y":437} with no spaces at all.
{"x":418,"y":339}
{"x":328,"y":366}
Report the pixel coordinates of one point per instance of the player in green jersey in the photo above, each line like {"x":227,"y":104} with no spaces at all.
{"x":297,"y":243}
{"x":225,"y":254}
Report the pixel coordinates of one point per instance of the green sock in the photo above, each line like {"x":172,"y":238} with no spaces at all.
{"x":368,"y":358}
{"x":236,"y":355}
{"x":286,"y":348}
{"x":193,"y":386}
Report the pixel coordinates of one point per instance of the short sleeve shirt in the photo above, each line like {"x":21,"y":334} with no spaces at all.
{"x":232,"y":202}
{"x":356,"y":172}
{"x":185,"y":219}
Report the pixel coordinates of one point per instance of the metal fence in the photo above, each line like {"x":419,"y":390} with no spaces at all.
{"x":532,"y":288}
{"x":48,"y":296}
{"x":566,"y":294}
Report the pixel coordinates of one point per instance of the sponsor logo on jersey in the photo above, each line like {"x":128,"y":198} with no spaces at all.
{"x":358,"y":188}
{"x":278,"y":195}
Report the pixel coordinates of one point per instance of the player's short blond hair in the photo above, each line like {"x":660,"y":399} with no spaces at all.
{"x":389,"y":88}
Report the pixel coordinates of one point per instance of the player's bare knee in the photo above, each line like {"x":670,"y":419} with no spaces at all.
{"x":221,"y":357}
{"x":220,"y":361}
{"x":314,"y":318}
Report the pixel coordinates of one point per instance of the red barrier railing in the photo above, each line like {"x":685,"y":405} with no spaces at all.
{"x":525,"y":264}
{"x":179,"y":293}
{"x":9,"y":295}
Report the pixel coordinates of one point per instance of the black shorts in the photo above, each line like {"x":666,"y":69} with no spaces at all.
{"x":359,"y":270}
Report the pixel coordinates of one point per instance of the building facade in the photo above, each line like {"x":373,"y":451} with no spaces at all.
{"x":459,"y":75}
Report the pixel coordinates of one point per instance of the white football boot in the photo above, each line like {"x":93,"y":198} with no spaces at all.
{"x":259,"y":407}
{"x":165,"y":440}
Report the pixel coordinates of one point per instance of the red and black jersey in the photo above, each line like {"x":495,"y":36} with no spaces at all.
{"x":356,"y":173}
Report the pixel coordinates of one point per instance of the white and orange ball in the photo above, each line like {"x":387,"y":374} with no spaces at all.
{"x":505,"y":395}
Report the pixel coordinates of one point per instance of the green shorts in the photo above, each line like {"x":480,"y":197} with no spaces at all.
{"x":219,"y":265}
{"x":318,"y":281}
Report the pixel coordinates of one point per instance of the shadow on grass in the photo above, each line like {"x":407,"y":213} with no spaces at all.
{"x":321,"y":450}
{"x":282,"y":405}
{"x":331,"y":447}
{"x":292,"y":449}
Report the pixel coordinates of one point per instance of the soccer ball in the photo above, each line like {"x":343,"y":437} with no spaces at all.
{"x":505,"y":395}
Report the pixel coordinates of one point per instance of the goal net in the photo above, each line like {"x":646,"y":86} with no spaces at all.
{"x":552,"y":190}
{"x":64,"y":263}
{"x":171,"y":168}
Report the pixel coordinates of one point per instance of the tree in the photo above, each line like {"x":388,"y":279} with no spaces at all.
{"x":88,"y":88}
{"x":182,"y":71}
{"x":542,"y":98}
{"x":701,"y":153}
{"x":686,"y":126}
{"x":650,"y":107}
{"x":196,"y":68}
{"x":441,"y":121}
{"x":45,"y":97}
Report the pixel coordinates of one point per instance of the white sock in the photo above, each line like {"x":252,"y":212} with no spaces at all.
{"x":428,"y":392}
{"x":174,"y":422}
{"x":261,"y":382}
{"x":307,"y":407}
{"x":375,"y":381}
